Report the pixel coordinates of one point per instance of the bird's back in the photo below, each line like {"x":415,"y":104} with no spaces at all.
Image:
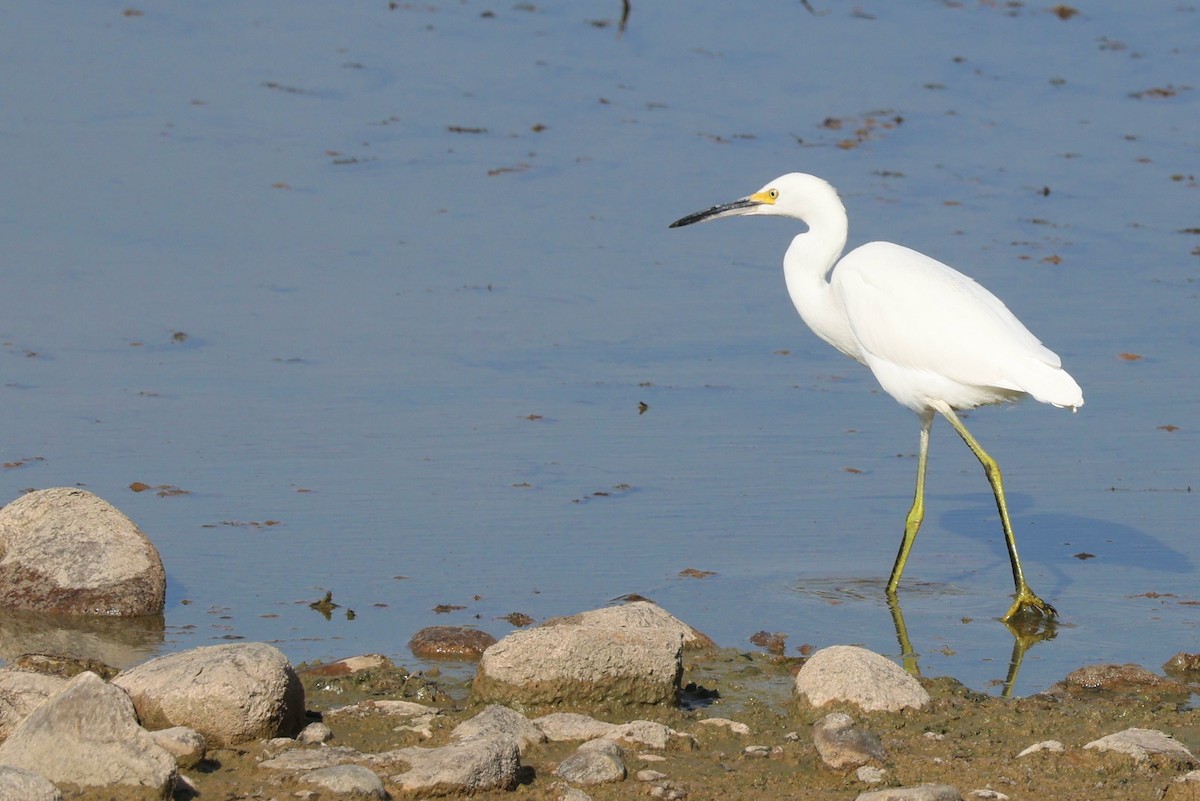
{"x":929,"y":332}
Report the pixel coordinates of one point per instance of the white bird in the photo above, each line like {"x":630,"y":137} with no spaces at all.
{"x":935,"y":340}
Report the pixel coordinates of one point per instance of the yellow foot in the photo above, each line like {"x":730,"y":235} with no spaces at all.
{"x":1029,"y":608}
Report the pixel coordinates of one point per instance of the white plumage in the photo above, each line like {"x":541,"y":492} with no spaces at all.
{"x":935,"y":339}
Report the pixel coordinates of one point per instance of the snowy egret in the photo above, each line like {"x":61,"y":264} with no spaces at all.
{"x":935,"y":340}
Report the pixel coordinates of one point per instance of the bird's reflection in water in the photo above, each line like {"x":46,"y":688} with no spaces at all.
{"x":1026,"y":634}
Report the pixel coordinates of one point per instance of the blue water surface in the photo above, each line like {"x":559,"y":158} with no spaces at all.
{"x":382,"y":288}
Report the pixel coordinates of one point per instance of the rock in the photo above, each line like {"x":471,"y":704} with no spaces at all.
{"x":642,"y":732}
{"x":922,"y":792}
{"x":562,"y":726}
{"x":450,"y":642}
{"x":229,"y":693}
{"x":65,"y":551}
{"x":988,"y":793}
{"x":315,"y":734}
{"x":568,"y":793}
{"x":308,"y":759}
{"x":594,"y":762}
{"x":63,"y":666}
{"x":351,"y":665}
{"x":1141,"y":744}
{"x":733,"y":726}
{"x":858,"y":676}
{"x":21,"y":693}
{"x":594,"y":658}
{"x":668,"y":790}
{"x":19,"y":784}
{"x":496,"y":720}
{"x":648,"y":775}
{"x":1183,"y":662}
{"x":1184,"y":788}
{"x":352,"y":780}
{"x":638,"y":615}
{"x":87,"y":733}
{"x":869,"y":774}
{"x":1052,"y":746}
{"x":842,"y":745}
{"x":186,"y":745}
{"x":1120,"y":678}
{"x":468,"y":766}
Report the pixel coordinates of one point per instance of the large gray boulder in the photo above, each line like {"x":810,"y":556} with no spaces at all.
{"x":66,"y":551}
{"x":87,"y":733}
{"x":229,"y":693}
{"x":847,"y":673}
{"x":600,"y":657}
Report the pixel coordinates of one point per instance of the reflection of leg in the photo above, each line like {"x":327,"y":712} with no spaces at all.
{"x":1026,"y":604}
{"x":906,"y":650}
{"x":917,"y":513}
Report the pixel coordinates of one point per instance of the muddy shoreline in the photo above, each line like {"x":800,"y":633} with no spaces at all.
{"x":966,"y":739}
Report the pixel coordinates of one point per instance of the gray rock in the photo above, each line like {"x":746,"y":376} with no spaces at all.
{"x":66,"y":551}
{"x":474,"y":765}
{"x":1049,"y":746}
{"x":315,"y":734}
{"x":594,"y":762}
{"x":568,"y":793}
{"x":842,"y":745}
{"x":593,"y":658}
{"x":922,"y":792}
{"x":308,"y":759}
{"x":869,"y":774}
{"x":858,"y":676}
{"x":87,"y":733}
{"x":186,"y":745}
{"x":642,"y":732}
{"x":1141,"y":744}
{"x":229,"y":693}
{"x":496,"y":720}
{"x":668,"y":790}
{"x":352,"y":780}
{"x":19,"y":784}
{"x":564,"y":726}
{"x":638,"y":615}
{"x":21,"y":693}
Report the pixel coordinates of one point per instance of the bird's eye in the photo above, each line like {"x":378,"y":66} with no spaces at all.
{"x":774,"y":193}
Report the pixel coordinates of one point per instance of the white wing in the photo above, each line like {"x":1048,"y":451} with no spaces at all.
{"x":927,"y":321}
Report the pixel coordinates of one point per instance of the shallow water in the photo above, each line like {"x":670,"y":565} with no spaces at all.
{"x":382,"y":290}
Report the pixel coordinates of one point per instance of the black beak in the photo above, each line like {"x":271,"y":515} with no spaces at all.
{"x":723,"y":210}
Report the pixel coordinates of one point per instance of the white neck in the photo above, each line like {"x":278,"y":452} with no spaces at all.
{"x":806,"y":268}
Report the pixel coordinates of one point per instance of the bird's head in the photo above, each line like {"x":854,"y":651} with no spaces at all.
{"x":795,"y":195}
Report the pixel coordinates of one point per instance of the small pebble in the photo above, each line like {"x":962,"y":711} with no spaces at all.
{"x":870,"y":774}
{"x":315,"y":734}
{"x":648,"y":775}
